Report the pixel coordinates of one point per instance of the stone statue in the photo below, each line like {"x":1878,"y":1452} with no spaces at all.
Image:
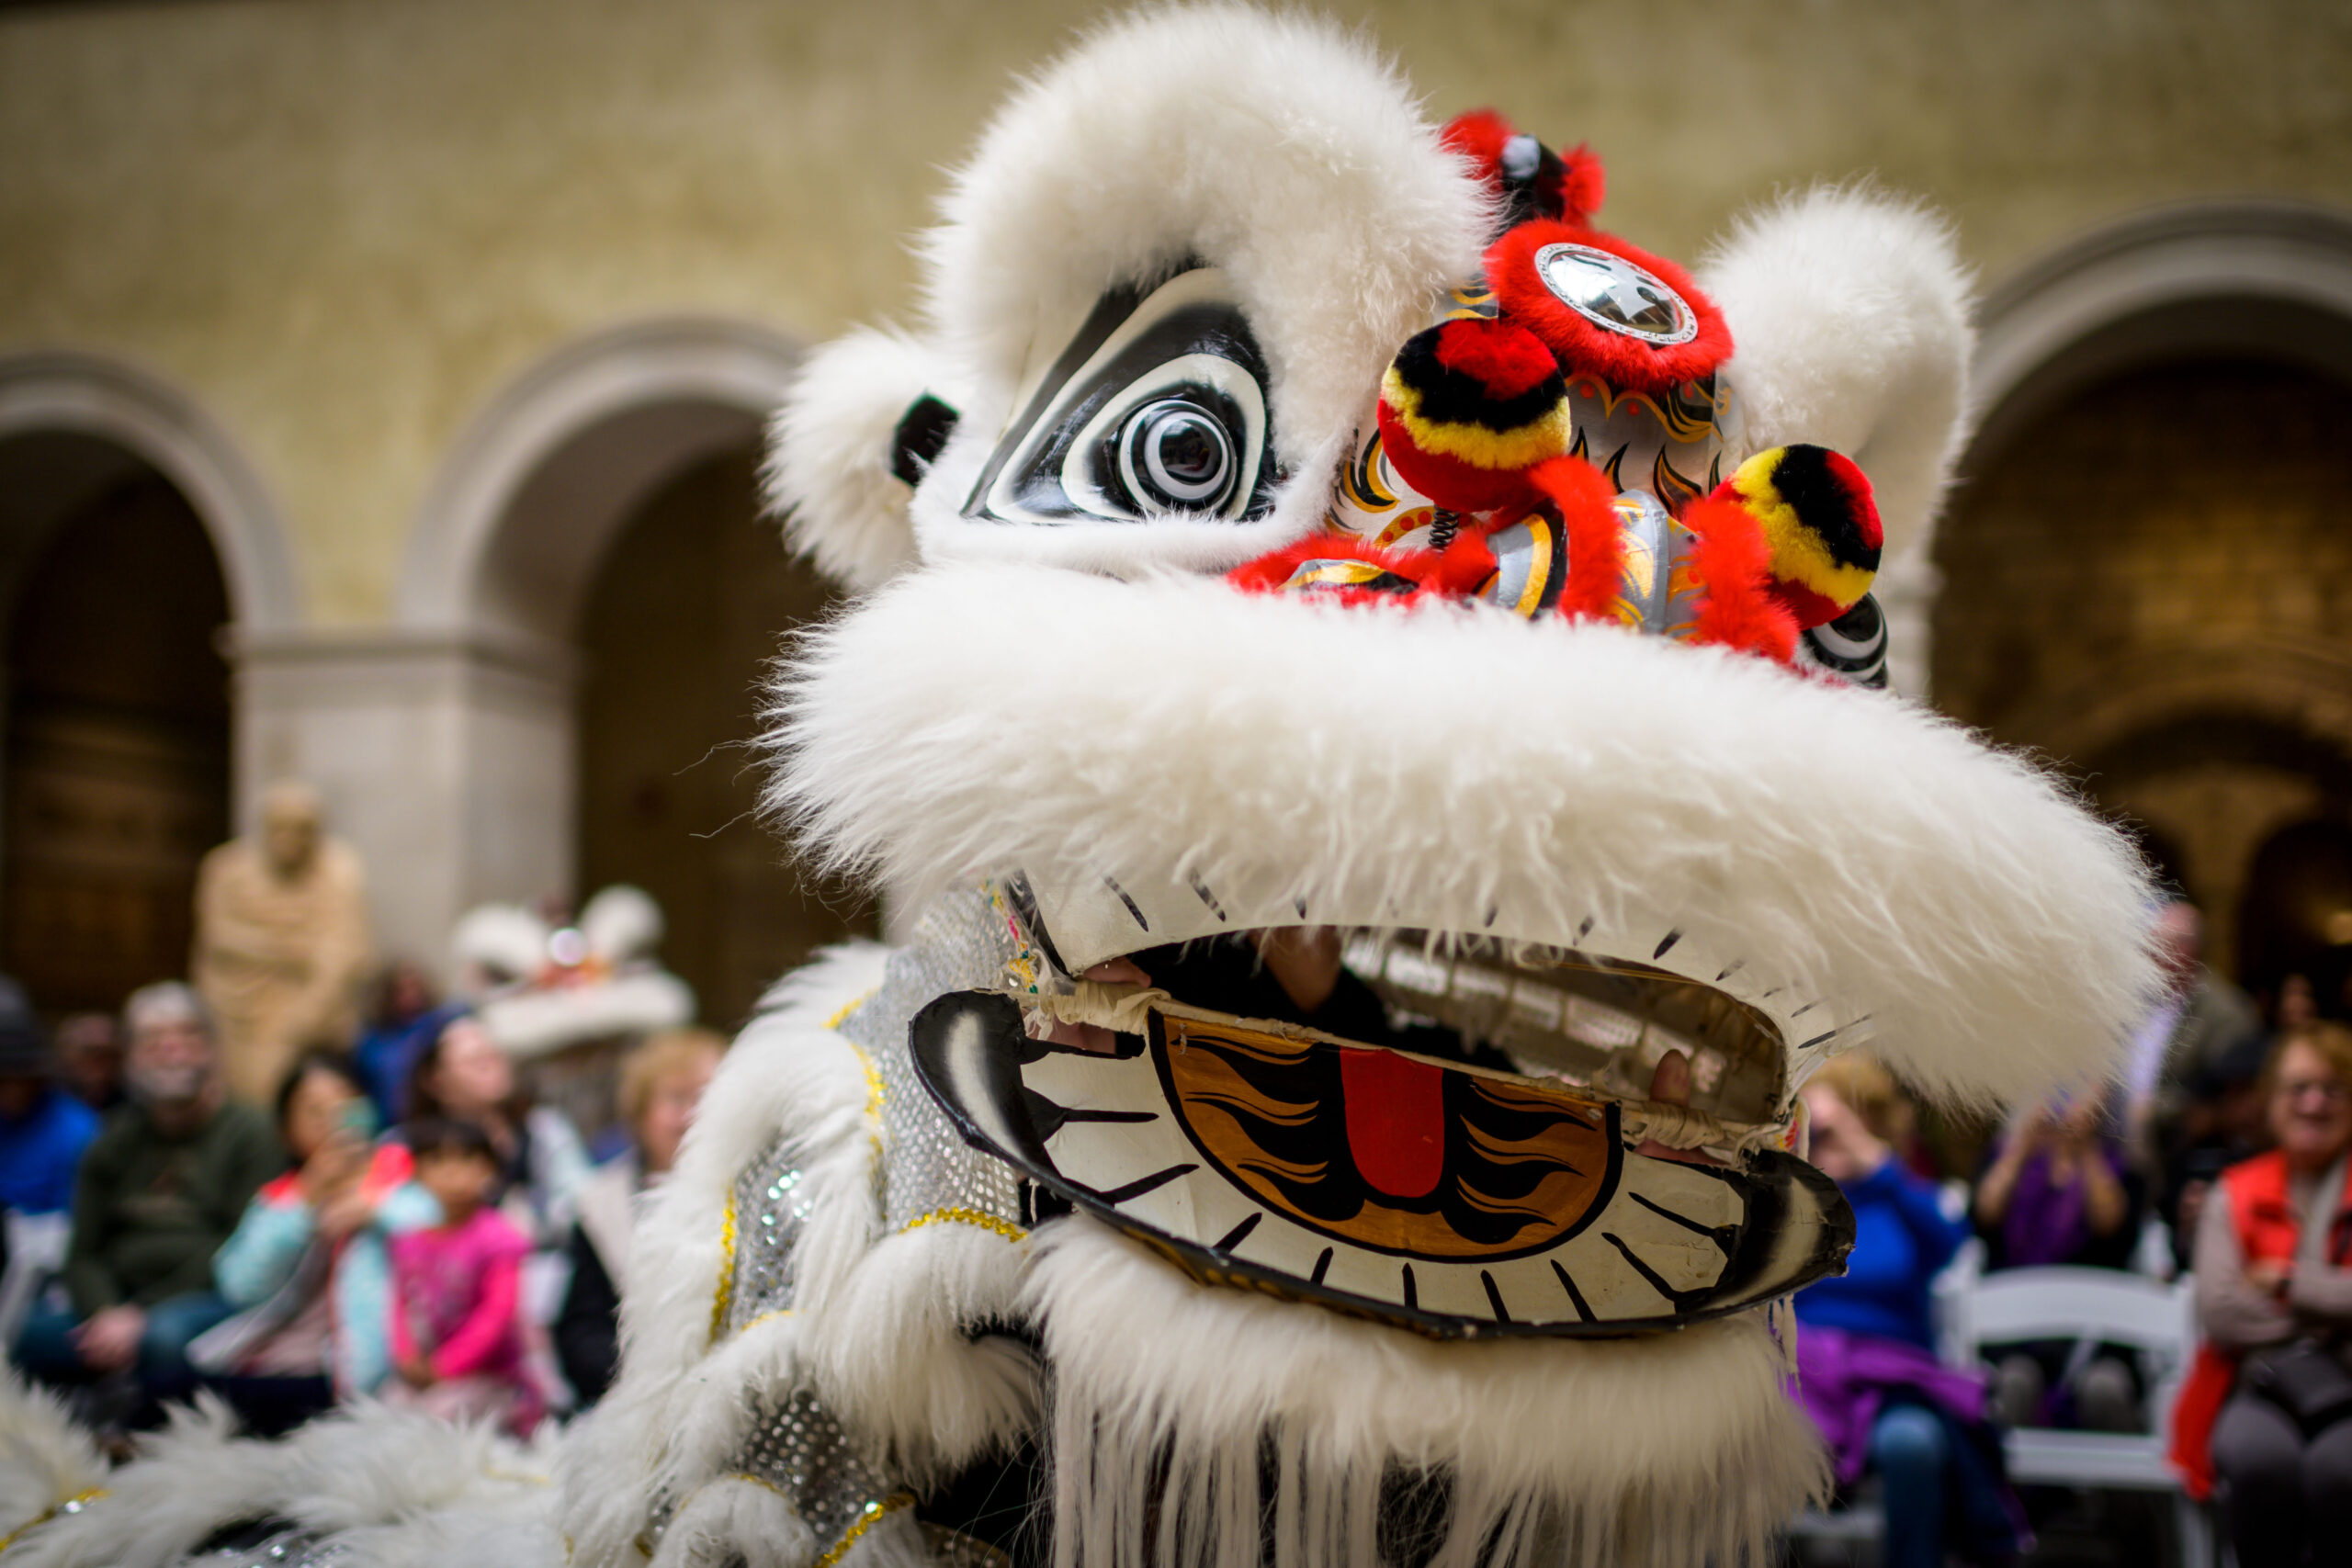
{"x":281,"y":941}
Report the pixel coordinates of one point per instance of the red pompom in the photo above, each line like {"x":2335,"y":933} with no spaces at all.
{"x":1551,"y":185}
{"x":1819,"y":523}
{"x":1467,"y":406}
{"x":1510,"y":361}
{"x":1642,"y":342}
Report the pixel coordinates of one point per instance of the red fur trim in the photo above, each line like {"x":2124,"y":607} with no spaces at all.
{"x":1626,"y":363}
{"x":1479,"y":135}
{"x":1458,"y":571}
{"x":1732,"y":563}
{"x":1582,"y":494}
{"x":1582,"y":184}
{"x":1508,"y":359}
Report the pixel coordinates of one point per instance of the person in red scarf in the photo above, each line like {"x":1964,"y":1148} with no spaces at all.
{"x":2267,"y":1409}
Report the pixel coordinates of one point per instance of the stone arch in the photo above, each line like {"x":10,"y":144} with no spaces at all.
{"x":78,"y":392}
{"x":2189,"y":692}
{"x":469,"y":697}
{"x":527,"y":502}
{"x":2145,"y":290}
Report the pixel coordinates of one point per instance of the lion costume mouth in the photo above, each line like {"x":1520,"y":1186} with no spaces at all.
{"x":1452,"y":1197}
{"x":1450,"y":1143}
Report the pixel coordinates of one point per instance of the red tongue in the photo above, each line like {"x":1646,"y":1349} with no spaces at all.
{"x":1395,"y":1110}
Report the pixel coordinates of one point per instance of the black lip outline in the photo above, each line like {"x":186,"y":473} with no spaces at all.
{"x":1774,"y":1184}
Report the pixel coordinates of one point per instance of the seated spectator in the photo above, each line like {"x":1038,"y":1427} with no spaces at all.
{"x":1869,"y":1376}
{"x":2227,"y":1119}
{"x":2059,"y":1189}
{"x":542,"y":1165}
{"x":43,"y":1130}
{"x":456,"y":1327}
{"x":2268,"y":1408}
{"x":662,"y":1083}
{"x":159,"y":1188}
{"x":401,"y":1022}
{"x":307,"y":1268}
{"x":89,"y":1059}
{"x":2298,"y":1005}
{"x":2199,"y":1019}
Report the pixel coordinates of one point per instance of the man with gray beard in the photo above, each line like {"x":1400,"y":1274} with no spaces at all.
{"x":158,"y":1192}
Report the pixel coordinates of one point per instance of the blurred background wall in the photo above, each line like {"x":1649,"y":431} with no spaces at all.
{"x":381,"y":388}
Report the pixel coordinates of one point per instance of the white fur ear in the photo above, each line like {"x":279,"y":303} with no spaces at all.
{"x":621,"y":923}
{"x":833,"y":449}
{"x":1849,"y":309}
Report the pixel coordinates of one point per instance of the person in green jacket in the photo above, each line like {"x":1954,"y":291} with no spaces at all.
{"x":159,"y":1190}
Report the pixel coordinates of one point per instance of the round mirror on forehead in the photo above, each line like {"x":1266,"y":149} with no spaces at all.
{"x":1611,"y":292}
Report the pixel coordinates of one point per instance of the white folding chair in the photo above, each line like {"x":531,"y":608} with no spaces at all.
{"x":2090,"y":1307}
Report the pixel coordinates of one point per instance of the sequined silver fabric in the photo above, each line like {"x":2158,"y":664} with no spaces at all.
{"x":965,"y":942}
{"x":795,"y":1446}
{"x":771,"y":1206}
{"x":288,"y":1549}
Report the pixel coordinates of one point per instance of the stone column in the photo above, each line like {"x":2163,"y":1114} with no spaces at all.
{"x":446,"y":760}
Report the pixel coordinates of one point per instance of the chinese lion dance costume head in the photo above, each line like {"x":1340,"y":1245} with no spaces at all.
{"x":1365,"y":697}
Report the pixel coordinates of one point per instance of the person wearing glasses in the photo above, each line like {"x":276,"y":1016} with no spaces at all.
{"x":2265,"y":1418}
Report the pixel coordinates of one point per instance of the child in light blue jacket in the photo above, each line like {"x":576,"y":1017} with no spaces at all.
{"x":307,"y":1265}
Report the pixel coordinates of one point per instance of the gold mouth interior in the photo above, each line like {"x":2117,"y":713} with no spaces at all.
{"x":1597,"y":1022}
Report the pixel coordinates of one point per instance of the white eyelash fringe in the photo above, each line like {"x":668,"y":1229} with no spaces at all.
{"x":1176,"y":1402}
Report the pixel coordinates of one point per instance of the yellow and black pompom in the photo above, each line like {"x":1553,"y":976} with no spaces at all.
{"x":1468,"y":407}
{"x":1819,"y":523}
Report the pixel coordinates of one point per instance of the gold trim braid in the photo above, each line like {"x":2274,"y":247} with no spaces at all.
{"x":1004,"y":1228}
{"x":74,"y":1505}
{"x":726,"y":1269}
{"x":874,"y":1514}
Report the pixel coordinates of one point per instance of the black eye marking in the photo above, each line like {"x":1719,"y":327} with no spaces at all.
{"x":1158,"y":407}
{"x":921,"y":436}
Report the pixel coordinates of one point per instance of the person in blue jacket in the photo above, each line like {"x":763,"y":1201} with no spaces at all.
{"x":1867,"y":1340}
{"x":43,"y":1130}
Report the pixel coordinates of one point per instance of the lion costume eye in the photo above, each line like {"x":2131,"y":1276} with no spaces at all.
{"x":1177,"y":454}
{"x":1155,"y":409}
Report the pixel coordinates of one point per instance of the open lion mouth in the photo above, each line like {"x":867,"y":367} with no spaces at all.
{"x":1452,"y":1139}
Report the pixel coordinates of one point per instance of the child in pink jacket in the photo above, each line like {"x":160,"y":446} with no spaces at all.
{"x":457,"y":1330}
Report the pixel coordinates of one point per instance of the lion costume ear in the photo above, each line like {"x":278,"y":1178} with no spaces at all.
{"x":857,"y":432}
{"x":1850,"y":310}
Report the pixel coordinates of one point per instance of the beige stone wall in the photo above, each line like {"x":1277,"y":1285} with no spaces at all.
{"x":343,"y":225}
{"x":2153,"y":585}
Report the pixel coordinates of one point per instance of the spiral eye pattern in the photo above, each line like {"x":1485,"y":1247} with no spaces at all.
{"x":1854,"y":644}
{"x":1174,"y":454}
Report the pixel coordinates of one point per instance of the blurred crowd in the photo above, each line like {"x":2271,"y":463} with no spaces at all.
{"x":399,"y":1219}
{"x":2224,"y":1152}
